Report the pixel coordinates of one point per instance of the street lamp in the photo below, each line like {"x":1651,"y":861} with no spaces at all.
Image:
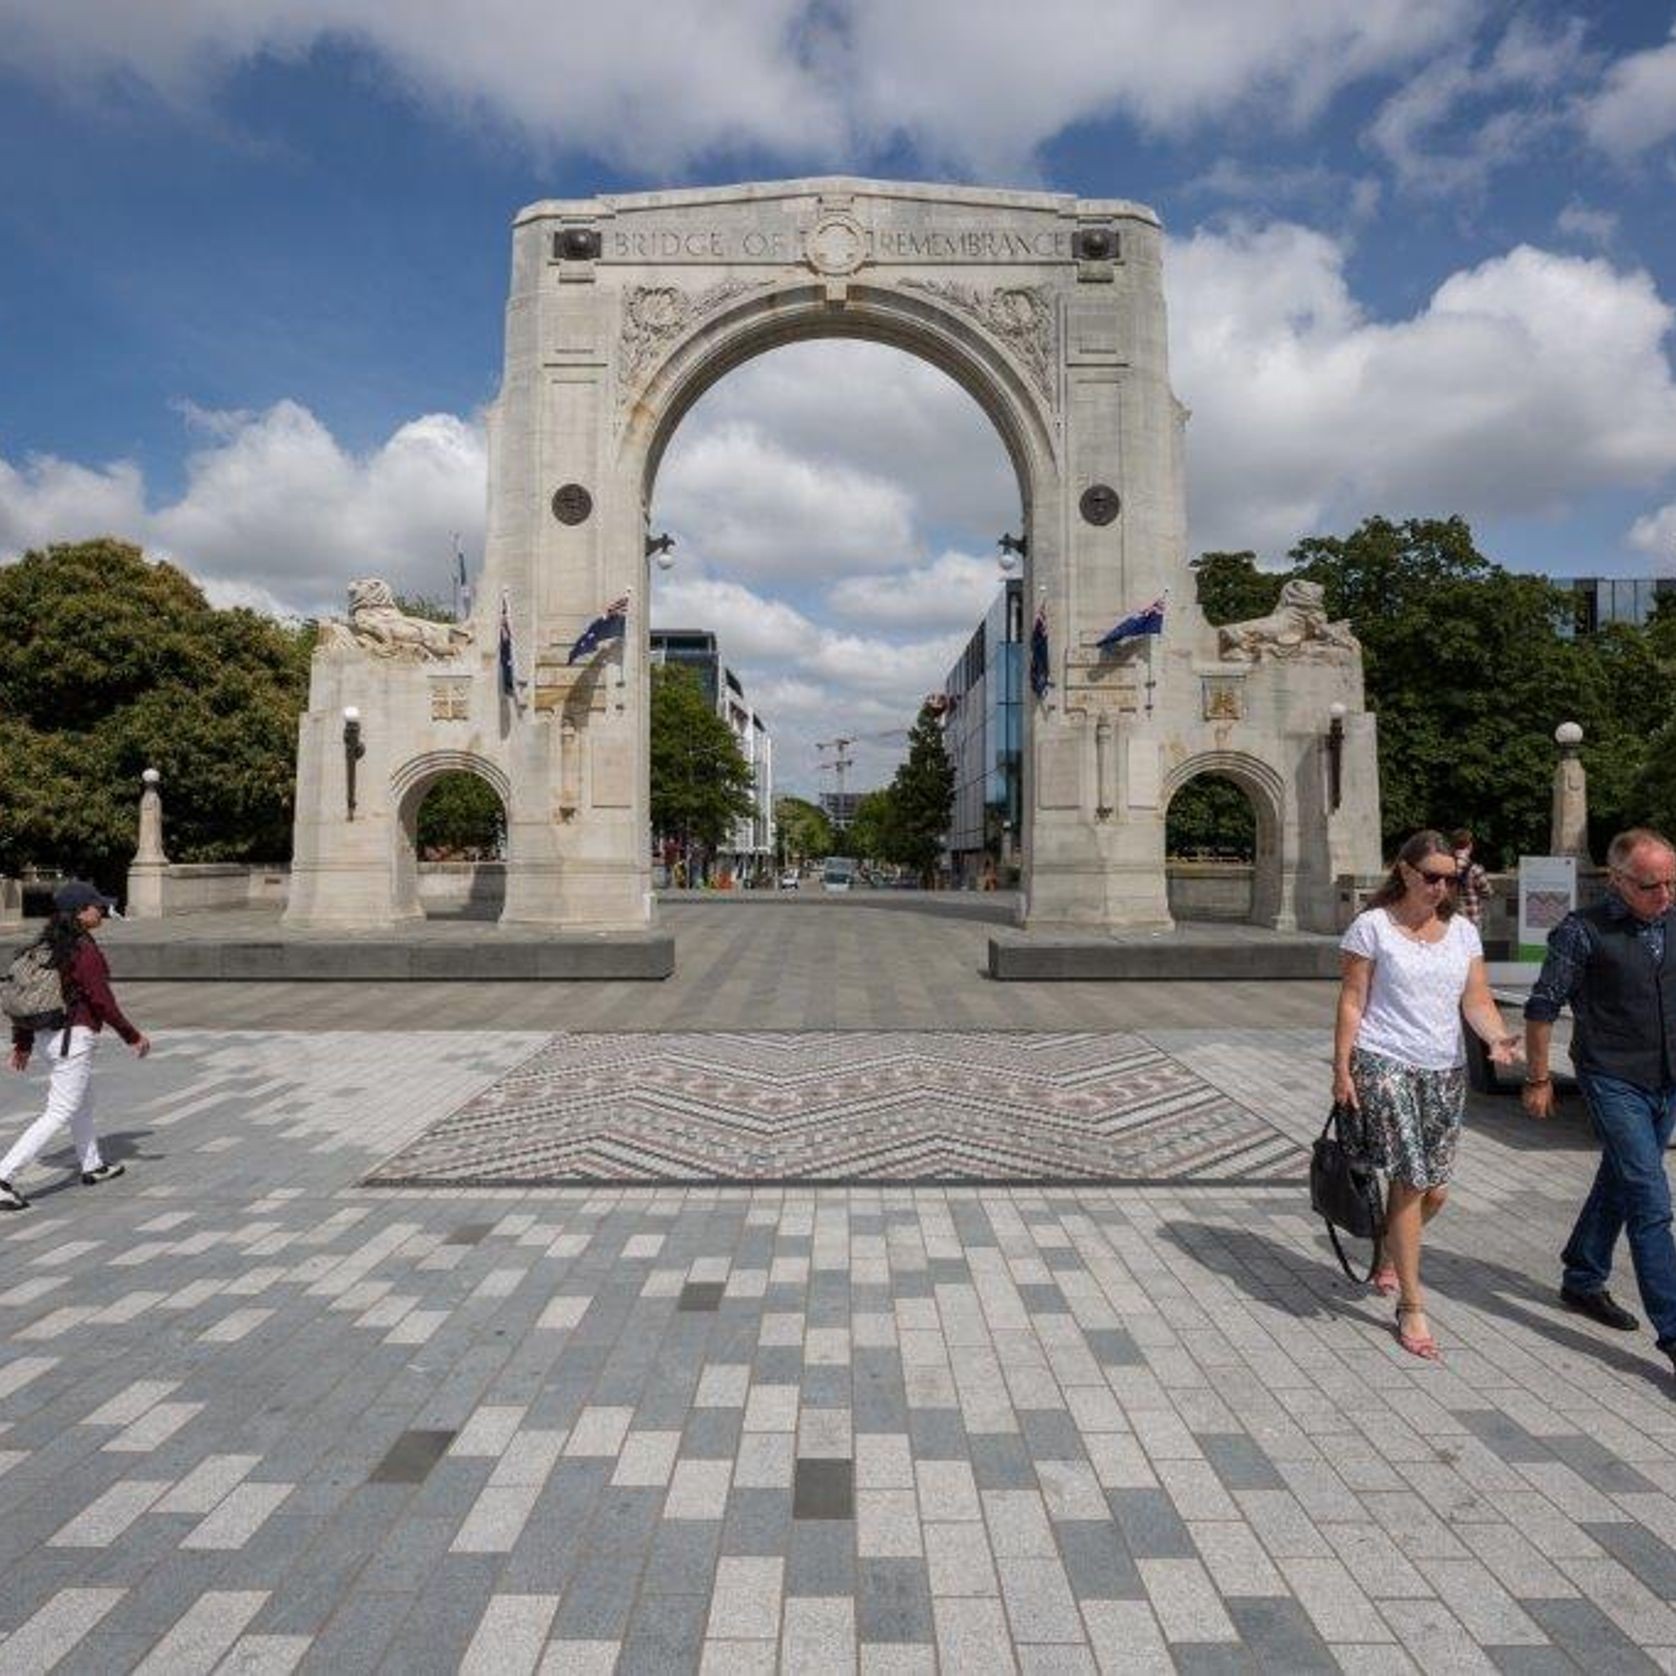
{"x":663,"y":547}
{"x":353,"y":751}
{"x":1335,"y":753}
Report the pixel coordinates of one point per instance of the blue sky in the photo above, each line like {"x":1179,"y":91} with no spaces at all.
{"x":253,"y":260}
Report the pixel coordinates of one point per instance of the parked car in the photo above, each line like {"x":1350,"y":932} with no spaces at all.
{"x":790,"y":879}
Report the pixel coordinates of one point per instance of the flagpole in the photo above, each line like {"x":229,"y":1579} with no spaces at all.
{"x":1151,"y":640}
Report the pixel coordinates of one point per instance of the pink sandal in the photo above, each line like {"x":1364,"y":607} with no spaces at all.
{"x":1416,"y":1344}
{"x":1384,"y":1280}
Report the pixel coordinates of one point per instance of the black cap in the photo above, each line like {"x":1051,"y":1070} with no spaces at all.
{"x":71,"y":898}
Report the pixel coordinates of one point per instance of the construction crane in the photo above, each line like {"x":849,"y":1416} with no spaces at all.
{"x":842,"y":762}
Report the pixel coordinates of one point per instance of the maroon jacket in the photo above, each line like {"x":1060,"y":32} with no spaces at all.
{"x":88,"y":985}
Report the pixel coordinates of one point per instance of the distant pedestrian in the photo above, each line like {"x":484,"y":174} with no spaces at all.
{"x":1472,"y":883}
{"x":89,"y":1005}
{"x":1614,"y":965}
{"x":1412,"y":968}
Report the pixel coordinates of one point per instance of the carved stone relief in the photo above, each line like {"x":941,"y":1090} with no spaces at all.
{"x":1021,"y":316}
{"x":381,"y":629}
{"x":1224,"y":698}
{"x":1296,"y":629}
{"x":656,"y":316}
{"x":450,"y":699}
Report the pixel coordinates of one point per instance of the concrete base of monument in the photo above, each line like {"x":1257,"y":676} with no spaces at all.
{"x":253,"y":947}
{"x":1208,"y":952}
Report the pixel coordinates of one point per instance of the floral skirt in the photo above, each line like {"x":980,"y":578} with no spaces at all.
{"x":1411,"y":1119}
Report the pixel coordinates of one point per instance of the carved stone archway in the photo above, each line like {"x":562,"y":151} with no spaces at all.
{"x":1049,"y":310}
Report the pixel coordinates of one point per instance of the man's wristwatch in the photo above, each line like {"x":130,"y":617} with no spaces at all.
{"x":1537,"y":1082}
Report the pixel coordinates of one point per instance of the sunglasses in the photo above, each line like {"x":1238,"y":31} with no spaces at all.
{"x":1434,"y":878}
{"x":1648,"y":885}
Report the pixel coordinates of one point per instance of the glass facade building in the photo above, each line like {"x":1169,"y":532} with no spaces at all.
{"x":750,"y":856}
{"x":983,"y":732}
{"x":1615,"y":599}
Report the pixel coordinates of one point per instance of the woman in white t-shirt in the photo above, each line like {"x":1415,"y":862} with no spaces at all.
{"x":1412,"y":968}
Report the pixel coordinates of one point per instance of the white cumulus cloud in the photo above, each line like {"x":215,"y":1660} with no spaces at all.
{"x":1635,"y":107}
{"x":1525,"y":383}
{"x":954,"y":589}
{"x":1655,"y":533}
{"x":655,"y":88}
{"x":764,"y":510}
{"x":275,"y":511}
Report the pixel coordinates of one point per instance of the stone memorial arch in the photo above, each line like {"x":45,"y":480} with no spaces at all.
{"x":1049,"y":310}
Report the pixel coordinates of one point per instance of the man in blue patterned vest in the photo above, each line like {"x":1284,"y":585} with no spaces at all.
{"x":1614,"y":965}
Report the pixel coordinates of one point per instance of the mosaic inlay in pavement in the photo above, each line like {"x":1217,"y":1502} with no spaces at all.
{"x":846,"y":1107}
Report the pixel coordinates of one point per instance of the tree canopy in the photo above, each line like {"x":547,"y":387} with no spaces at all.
{"x":805,"y":832}
{"x":921,"y":799}
{"x":110,"y":664}
{"x":701,"y":782}
{"x":1469,"y":668}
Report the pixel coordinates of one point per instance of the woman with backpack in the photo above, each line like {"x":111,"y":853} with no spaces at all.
{"x":70,"y":1033}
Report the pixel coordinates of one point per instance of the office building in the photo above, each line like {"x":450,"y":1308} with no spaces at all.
{"x":983,"y":734}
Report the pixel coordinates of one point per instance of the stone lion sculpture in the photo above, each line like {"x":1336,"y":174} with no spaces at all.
{"x":378,"y":626}
{"x":1296,"y":628}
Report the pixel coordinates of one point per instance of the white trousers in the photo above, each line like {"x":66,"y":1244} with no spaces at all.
{"x":69,"y":1100}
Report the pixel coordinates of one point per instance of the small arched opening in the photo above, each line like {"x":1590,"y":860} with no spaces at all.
{"x":1241,"y":813}
{"x":1210,"y":847}
{"x":451,"y":838}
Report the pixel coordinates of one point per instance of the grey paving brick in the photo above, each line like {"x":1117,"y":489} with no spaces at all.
{"x":1150,"y":1526}
{"x":938,"y":1434}
{"x":1050,"y":1434}
{"x":1588,"y":1635}
{"x":757,"y":1522}
{"x":682,"y":1557}
{"x":1281,"y":1635}
{"x":820,"y":1559}
{"x":665,"y":1633}
{"x":893,"y":1601}
{"x":1240,"y":1462}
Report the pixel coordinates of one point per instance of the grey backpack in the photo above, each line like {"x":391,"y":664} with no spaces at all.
{"x":32,"y":992}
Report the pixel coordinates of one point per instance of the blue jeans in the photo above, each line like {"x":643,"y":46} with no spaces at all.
{"x":1631,"y":1192}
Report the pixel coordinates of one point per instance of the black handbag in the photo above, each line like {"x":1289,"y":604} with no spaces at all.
{"x":1344,"y":1190}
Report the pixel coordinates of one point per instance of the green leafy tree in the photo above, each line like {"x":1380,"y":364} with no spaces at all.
{"x":873,"y":833}
{"x":805,"y":833}
{"x":1211,"y":813}
{"x":921,"y":799}
{"x":1467,"y":671}
{"x":461,"y":818}
{"x":1232,"y":589}
{"x":701,"y":782}
{"x":109,"y":665}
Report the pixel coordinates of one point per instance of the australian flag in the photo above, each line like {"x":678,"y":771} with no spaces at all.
{"x":1148,"y":620}
{"x":508,"y":655}
{"x":607,"y":626}
{"x":1041,"y":677}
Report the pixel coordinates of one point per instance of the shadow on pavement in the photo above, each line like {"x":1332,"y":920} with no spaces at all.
{"x":1272,"y":1273}
{"x":121,"y":1146}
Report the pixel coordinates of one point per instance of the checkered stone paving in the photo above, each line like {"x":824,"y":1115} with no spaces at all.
{"x":846,"y":1107}
{"x":257,"y":1417}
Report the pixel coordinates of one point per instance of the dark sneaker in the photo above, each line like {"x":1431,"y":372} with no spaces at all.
{"x":92,"y":1178}
{"x":10,"y":1198}
{"x":1600,"y":1306}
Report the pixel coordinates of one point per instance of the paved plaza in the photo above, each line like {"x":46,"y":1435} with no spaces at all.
{"x":267,"y":1403}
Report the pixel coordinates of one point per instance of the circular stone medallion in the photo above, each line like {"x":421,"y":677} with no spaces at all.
{"x":836,"y":244}
{"x":572,"y":504}
{"x":1099,"y":504}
